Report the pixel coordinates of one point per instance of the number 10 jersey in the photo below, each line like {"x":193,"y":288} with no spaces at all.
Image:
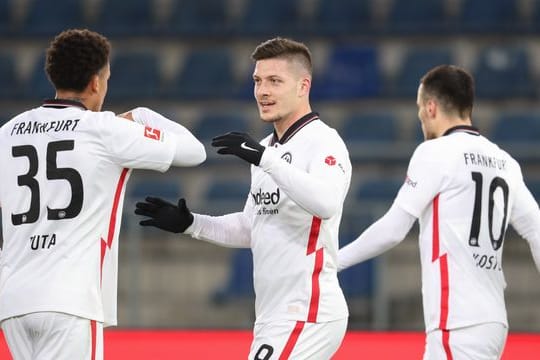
{"x":465,"y":191}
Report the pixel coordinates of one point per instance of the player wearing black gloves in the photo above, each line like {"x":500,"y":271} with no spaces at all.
{"x":300,"y":175}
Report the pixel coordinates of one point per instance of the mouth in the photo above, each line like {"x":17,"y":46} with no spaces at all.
{"x":266,"y":105}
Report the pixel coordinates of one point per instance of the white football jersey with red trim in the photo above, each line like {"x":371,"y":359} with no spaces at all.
{"x":465,"y":191}
{"x":64,"y":171}
{"x":294,"y":252}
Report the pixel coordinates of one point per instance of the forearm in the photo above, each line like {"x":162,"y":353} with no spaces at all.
{"x":231,"y":230}
{"x":381,"y":236}
{"x":189,"y":150}
{"x":320,"y":197}
{"x":528,"y":227}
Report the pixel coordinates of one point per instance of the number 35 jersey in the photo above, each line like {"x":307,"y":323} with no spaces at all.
{"x":465,"y":191}
{"x":64,"y":171}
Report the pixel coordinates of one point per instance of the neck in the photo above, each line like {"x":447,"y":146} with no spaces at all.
{"x":73,"y":96}
{"x":453,"y":122}
{"x":285,"y":123}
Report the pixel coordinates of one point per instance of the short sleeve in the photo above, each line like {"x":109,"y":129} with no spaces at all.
{"x":136,"y":146}
{"x":422,"y":183}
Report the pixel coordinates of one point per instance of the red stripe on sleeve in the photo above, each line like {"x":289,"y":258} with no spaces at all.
{"x":315,"y":286}
{"x":313,"y":235}
{"x":293,"y":338}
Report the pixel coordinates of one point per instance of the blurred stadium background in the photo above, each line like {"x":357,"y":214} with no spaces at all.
{"x":189,"y":59}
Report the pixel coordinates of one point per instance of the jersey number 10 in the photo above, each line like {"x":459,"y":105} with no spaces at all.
{"x":53,"y":172}
{"x":496,"y":183}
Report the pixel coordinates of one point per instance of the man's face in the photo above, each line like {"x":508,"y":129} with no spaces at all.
{"x":277,"y":85}
{"x":103,"y":81}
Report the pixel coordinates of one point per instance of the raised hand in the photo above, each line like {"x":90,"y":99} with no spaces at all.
{"x":164,"y":215}
{"x":241,"y":145}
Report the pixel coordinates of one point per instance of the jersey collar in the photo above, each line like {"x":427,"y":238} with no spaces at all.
{"x":462,"y":128}
{"x":62,"y":103}
{"x":294,"y":128}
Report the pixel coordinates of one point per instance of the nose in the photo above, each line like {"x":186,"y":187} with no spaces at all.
{"x":260,"y":90}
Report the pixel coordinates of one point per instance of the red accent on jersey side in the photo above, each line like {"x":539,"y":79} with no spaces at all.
{"x":94,"y":338}
{"x":445,"y":291}
{"x":103,"y":250}
{"x":313,"y":235}
{"x":118,"y":192}
{"x":112,"y":219}
{"x":315,"y":287}
{"x":446,"y":344}
{"x":435,"y":244}
{"x":152,"y":133}
{"x":443,"y":266}
{"x":293,"y":338}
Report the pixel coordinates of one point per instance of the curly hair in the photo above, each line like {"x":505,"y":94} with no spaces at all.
{"x":286,"y":48}
{"x":74,"y":56}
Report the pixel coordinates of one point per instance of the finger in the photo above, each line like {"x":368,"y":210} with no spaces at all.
{"x":231,"y":136}
{"x":149,"y":222}
{"x":222,"y":136}
{"x":225,"y":151}
{"x":158,"y":201}
{"x":223,"y":142}
{"x":145,"y":206}
{"x":182,"y":204}
{"x":144,"y":212}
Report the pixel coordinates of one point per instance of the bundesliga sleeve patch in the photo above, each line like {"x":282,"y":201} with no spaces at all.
{"x":151,"y":133}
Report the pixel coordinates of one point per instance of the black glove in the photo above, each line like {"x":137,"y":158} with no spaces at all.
{"x":241,"y":145}
{"x":165,"y":215}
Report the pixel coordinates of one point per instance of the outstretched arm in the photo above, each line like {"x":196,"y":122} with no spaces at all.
{"x":525,"y":219}
{"x":528,"y":227}
{"x":189,"y":150}
{"x":381,"y":236}
{"x":231,"y":230}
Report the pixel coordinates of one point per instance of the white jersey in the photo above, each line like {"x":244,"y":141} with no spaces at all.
{"x":465,"y":191}
{"x":295,"y":252}
{"x":64,"y":171}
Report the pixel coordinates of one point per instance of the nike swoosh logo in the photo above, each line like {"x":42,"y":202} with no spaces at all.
{"x":244,"y":146}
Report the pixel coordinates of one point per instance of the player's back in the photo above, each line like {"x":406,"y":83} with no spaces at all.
{"x":462,"y":233}
{"x":61,"y":193}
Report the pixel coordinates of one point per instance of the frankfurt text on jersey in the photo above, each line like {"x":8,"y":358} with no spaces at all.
{"x":38,"y":127}
{"x":478,"y":159}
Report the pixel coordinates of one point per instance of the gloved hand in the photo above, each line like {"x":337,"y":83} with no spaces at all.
{"x":241,"y":145}
{"x":164,"y":215}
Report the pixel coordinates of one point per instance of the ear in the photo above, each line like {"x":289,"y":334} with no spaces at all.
{"x":305,"y":86}
{"x":93,"y":85}
{"x":432,"y":108}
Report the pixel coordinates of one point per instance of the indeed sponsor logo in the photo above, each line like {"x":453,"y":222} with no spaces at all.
{"x":266,"y":198}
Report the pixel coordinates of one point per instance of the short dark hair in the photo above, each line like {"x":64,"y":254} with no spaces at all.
{"x":74,"y":56}
{"x":452,"y":86}
{"x":283,"y":48}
